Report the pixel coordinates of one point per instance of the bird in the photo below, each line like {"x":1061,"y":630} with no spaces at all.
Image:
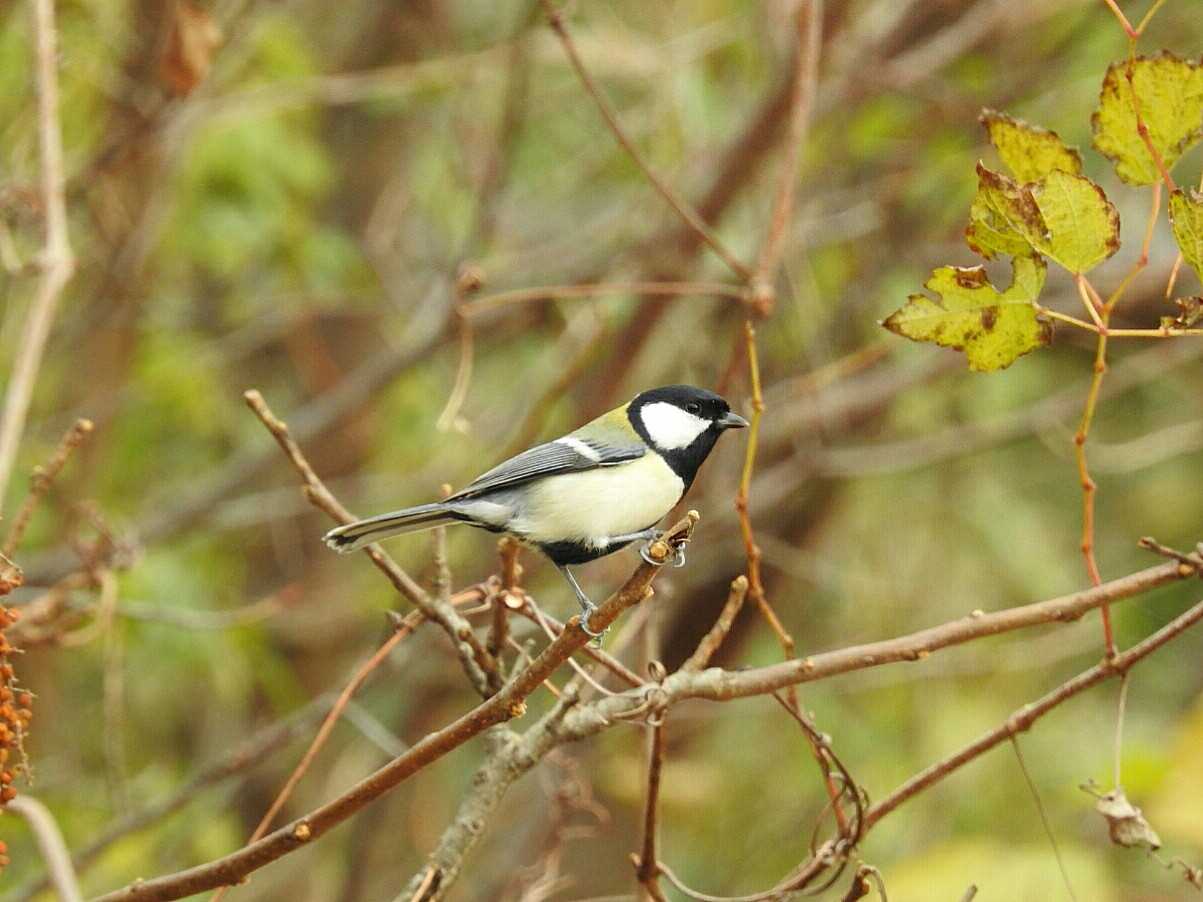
{"x":585,"y":495}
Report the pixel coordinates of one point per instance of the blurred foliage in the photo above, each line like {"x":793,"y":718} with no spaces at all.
{"x":299,"y":216}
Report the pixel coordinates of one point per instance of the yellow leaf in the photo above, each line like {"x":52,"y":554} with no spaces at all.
{"x":1029,"y":151}
{"x":1168,"y":94}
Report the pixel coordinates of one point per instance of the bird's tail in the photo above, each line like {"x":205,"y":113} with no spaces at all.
{"x":353,"y":536}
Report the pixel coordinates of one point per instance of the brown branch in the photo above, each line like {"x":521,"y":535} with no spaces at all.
{"x":1022,"y":719}
{"x":509,"y":597}
{"x":498,"y":708}
{"x":404,"y":629}
{"x":646,"y":861}
{"x":751,"y":549}
{"x":245,"y":756}
{"x":601,"y":656}
{"x":57,"y":261}
{"x":692,"y":218}
{"x":808,"y":22}
{"x":479,"y":665}
{"x":722,"y":626}
{"x":724,"y":685}
{"x":43,"y":478}
{"x":501,"y":299}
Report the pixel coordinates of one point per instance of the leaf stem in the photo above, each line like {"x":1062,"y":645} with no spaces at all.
{"x":1088,"y":295}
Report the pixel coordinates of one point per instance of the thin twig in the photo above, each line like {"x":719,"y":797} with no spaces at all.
{"x":498,"y":708}
{"x":43,"y":478}
{"x":572,"y":292}
{"x":1023,"y":718}
{"x":499,"y":632}
{"x":57,"y":261}
{"x":682,"y":207}
{"x":404,"y":629}
{"x":478,"y":664}
{"x":722,"y":626}
{"x":1044,"y":821}
{"x":646,"y":862}
{"x":808,"y":23}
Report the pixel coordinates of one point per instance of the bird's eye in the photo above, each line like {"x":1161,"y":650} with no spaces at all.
{"x":693,"y":407}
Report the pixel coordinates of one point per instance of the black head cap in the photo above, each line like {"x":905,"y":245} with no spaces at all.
{"x":682,"y":423}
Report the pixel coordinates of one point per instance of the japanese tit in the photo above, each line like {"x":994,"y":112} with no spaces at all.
{"x":585,"y":495}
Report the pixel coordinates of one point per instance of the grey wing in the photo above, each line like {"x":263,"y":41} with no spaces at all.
{"x":567,"y":455}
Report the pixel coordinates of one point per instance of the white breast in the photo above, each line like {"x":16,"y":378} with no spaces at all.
{"x":596,"y":504}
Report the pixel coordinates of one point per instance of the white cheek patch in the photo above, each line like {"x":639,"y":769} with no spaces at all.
{"x":670,"y":427}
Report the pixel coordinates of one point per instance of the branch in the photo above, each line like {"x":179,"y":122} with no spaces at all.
{"x":43,"y":478}
{"x":565,"y":292}
{"x":809,"y":25}
{"x":50,"y":844}
{"x":647,"y":865}
{"x":1023,"y":718}
{"x":497,"y":709}
{"x":724,"y":685}
{"x":722,"y":626}
{"x":249,"y":753}
{"x":404,"y":628}
{"x":692,"y":218}
{"x":57,"y":261}
{"x":480,"y":666}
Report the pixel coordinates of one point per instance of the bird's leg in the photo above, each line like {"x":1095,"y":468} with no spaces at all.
{"x":587,"y":606}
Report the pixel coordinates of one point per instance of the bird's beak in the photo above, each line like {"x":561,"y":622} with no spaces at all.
{"x":731,"y":420}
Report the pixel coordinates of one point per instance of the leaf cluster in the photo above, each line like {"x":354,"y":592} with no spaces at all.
{"x":1150,"y":113}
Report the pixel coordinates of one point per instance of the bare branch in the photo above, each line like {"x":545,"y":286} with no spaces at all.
{"x":57,"y":261}
{"x":50,"y":844}
{"x":1023,"y":718}
{"x":43,"y":478}
{"x":503,"y":706}
{"x":480,"y":666}
{"x":808,"y":21}
{"x":692,"y":218}
{"x":722,"y":626}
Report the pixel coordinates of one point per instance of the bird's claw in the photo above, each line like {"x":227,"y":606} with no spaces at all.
{"x":596,"y":636}
{"x":678,"y":550}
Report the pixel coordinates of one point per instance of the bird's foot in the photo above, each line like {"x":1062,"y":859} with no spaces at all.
{"x":678,"y":549}
{"x":597,"y":635}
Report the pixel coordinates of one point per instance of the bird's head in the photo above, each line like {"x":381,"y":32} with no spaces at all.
{"x":674,"y":418}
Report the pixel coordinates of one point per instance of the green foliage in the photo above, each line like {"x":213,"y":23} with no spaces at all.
{"x":1002,"y":216}
{"x":1029,"y":151}
{"x":1186,"y":217}
{"x":993,"y":328}
{"x":1081,"y":227}
{"x":1166,"y":95}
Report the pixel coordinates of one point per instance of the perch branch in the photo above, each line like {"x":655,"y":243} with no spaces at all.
{"x":497,"y":709}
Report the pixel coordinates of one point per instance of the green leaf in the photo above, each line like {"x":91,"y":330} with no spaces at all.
{"x":1002,"y":216}
{"x":1186,"y":217}
{"x":1029,"y":151}
{"x":969,"y":314}
{"x":1063,"y":216}
{"x":1169,"y":95}
{"x":1081,"y":225}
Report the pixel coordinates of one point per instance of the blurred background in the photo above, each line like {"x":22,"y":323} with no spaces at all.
{"x":275,"y":194}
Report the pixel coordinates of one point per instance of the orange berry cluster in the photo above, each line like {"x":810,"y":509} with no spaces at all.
{"x":16,"y":711}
